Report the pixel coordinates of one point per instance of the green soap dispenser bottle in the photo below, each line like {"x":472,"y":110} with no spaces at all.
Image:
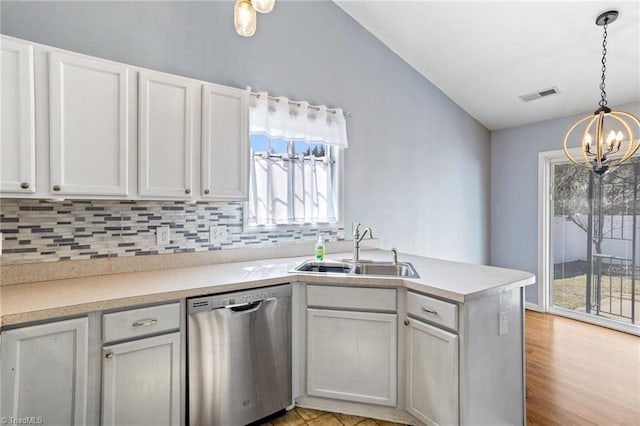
{"x":320,"y":249}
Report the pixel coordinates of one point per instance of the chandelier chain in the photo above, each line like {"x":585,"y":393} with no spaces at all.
{"x":603,"y":93}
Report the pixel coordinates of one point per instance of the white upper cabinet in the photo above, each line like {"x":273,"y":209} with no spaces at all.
{"x":17,"y":147}
{"x":85,"y":127}
{"x":89,"y":126}
{"x":165,"y":135}
{"x":225,"y":142}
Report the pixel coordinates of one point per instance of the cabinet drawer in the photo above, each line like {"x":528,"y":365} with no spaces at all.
{"x":370,"y":299}
{"x":140,"y":322}
{"x":433,"y":310}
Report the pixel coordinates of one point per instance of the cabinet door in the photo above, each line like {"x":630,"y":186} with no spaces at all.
{"x":225,"y":142}
{"x":141,"y":382}
{"x":17,"y":147}
{"x":432,"y":374}
{"x":89,"y":126}
{"x":165,"y":143}
{"x":352,"y":356}
{"x":44,"y":372}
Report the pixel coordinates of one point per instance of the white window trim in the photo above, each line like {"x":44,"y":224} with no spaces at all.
{"x":337,"y":153}
{"x":546,"y":160}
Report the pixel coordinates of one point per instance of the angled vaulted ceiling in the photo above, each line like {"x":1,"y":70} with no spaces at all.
{"x":484,"y":55}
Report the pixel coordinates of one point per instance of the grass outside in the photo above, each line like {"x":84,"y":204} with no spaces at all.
{"x":571,"y":293}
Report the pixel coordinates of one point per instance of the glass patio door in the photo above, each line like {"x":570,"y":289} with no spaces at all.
{"x":595,"y":245}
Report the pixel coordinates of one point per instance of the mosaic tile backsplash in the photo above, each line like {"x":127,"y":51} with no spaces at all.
{"x":42,"y":231}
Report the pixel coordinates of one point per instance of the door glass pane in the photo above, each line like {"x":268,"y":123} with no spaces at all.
{"x":595,"y":237}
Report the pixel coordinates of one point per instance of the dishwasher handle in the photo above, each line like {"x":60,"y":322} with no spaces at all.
{"x":249,"y":306}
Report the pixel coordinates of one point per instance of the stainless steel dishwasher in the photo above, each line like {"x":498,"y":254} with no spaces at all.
{"x":239,"y":356}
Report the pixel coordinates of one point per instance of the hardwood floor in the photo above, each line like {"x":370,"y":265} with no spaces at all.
{"x":580,"y":374}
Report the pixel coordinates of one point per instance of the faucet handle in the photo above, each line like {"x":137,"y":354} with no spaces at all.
{"x":354,"y":228}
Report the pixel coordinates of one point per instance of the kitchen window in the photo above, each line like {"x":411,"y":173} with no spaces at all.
{"x":295,"y":163}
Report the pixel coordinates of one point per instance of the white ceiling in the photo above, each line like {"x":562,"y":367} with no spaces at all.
{"x":484,"y":55}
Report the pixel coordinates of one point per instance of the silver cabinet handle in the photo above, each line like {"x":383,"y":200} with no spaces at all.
{"x":56,"y":188}
{"x":187,"y":191}
{"x":429,"y":311}
{"x":108,"y":355}
{"x":142,"y":323}
{"x":206,"y":192}
{"x":24,"y":185}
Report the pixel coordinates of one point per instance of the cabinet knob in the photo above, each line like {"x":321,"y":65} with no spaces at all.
{"x":24,"y":185}
{"x":108,"y":355}
{"x":56,"y":187}
{"x":187,"y":191}
{"x":206,"y":192}
{"x":406,"y":322}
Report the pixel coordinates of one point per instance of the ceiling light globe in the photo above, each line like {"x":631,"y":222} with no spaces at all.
{"x":263,"y":6}
{"x":244,"y":18}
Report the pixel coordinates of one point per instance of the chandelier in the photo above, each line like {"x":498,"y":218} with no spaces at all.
{"x":244,"y":15}
{"x":608,"y":138}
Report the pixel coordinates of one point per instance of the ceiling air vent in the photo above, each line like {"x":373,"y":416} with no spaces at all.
{"x":539,"y":94}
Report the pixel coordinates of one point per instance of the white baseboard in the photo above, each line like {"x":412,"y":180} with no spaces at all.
{"x":533,"y":307}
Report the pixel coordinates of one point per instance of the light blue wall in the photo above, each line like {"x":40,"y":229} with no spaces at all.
{"x":417,"y":170}
{"x":514,"y":190}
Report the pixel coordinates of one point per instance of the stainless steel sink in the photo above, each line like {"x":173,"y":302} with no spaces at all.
{"x":385,"y":269}
{"x":326,"y":267}
{"x":401,"y":269}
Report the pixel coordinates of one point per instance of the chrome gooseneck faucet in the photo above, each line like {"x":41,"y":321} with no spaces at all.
{"x":357,"y":237}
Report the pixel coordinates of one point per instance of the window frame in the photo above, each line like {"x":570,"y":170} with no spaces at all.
{"x":337,"y":155}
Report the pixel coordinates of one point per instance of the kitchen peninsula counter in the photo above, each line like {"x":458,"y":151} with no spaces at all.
{"x":28,"y":302}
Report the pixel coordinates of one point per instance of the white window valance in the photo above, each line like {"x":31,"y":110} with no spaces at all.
{"x":278,"y":117}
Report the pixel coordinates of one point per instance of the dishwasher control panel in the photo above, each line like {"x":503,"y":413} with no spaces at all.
{"x":207,"y":303}
{"x":248,"y":298}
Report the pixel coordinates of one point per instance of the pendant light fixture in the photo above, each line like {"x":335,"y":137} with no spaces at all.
{"x":263,"y":6}
{"x":244,"y":15}
{"x":608,"y":138}
{"x":244,"y":18}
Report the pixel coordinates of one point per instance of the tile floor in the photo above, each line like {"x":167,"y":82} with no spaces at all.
{"x":308,"y":417}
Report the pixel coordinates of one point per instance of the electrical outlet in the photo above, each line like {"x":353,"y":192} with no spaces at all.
{"x":162,"y":235}
{"x":218,"y":234}
{"x":503,"y":323}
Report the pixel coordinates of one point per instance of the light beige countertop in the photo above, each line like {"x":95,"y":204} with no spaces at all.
{"x":27,"y":302}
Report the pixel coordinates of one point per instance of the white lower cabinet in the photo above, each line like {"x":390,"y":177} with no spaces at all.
{"x":432,"y":373}
{"x":352,"y":356}
{"x":141,"y":382}
{"x":50,"y":373}
{"x":44,"y":373}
